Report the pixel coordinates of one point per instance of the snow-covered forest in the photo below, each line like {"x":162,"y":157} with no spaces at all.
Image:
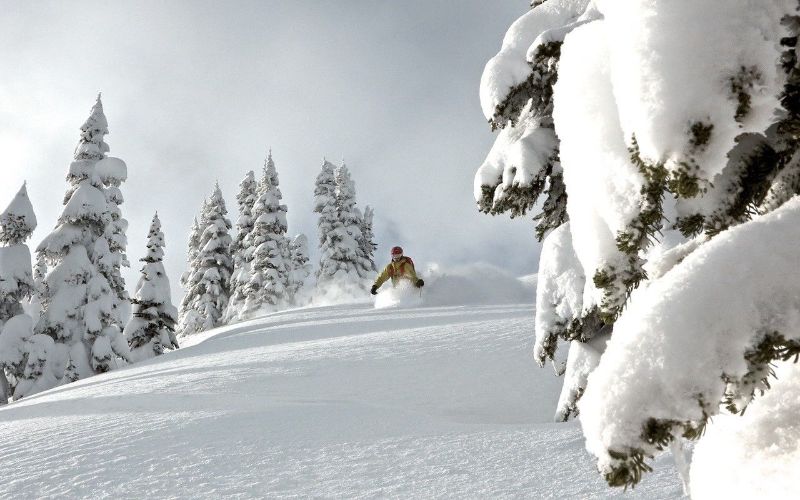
{"x":80,"y":320}
{"x":607,"y":305}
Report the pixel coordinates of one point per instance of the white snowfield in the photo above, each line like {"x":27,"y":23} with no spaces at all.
{"x":344,"y":401}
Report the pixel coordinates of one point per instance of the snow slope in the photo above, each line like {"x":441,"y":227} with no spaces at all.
{"x":343,"y":401}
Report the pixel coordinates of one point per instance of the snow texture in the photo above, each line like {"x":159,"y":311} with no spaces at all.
{"x":335,"y":402}
{"x":603,"y":185}
{"x":755,"y":455}
{"x":673,"y":65}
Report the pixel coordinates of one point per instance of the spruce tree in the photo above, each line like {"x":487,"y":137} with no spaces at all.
{"x":151,"y":329}
{"x":367,"y":243}
{"x":300,"y":268}
{"x":325,"y":206}
{"x":343,"y":260}
{"x":241,"y":253}
{"x":80,"y":309}
{"x":17,"y":223}
{"x":271,"y":261}
{"x":210,"y":266}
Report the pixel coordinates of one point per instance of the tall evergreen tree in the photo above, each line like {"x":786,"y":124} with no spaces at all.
{"x":343,"y":260}
{"x":367,"y":243}
{"x":192,"y":247}
{"x":151,"y":330}
{"x":271,"y":261}
{"x":81,"y":310}
{"x":300,"y":268}
{"x":241,"y":253}
{"x":210,"y":266}
{"x":17,"y":223}
{"x":325,"y":206}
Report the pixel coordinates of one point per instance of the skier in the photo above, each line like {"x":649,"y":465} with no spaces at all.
{"x":401,"y":267}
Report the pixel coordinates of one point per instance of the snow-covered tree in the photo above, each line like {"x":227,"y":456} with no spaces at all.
{"x":17,"y":223}
{"x":325,"y":206}
{"x":151,"y":330}
{"x":678,"y":165}
{"x":210,"y":266}
{"x":112,"y":173}
{"x":242,"y":254}
{"x":300,"y":268}
{"x":193,"y":247}
{"x":271,"y":260}
{"x":367,"y":242}
{"x":80,"y":308}
{"x":343,"y":259}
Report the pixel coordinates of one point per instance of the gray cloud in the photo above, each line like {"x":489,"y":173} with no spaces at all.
{"x":196,"y":91}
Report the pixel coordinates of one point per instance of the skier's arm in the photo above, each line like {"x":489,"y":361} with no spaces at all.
{"x":382,"y":277}
{"x":411,"y":272}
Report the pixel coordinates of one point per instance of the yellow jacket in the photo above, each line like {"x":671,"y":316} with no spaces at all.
{"x":403,"y":268}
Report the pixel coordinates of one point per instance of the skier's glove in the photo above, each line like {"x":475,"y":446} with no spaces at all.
{"x":373,"y":290}
{"x":420,"y":283}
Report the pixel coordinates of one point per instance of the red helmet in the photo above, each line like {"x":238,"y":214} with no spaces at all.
{"x":397,"y":251}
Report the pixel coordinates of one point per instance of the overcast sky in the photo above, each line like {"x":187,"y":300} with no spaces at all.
{"x":196,"y":91}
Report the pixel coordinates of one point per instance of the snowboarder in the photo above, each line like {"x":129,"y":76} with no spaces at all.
{"x":401,"y":267}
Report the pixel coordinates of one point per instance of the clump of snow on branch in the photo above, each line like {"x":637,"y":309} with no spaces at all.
{"x":673,"y":350}
{"x":674,"y":157}
{"x":559,"y":295}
